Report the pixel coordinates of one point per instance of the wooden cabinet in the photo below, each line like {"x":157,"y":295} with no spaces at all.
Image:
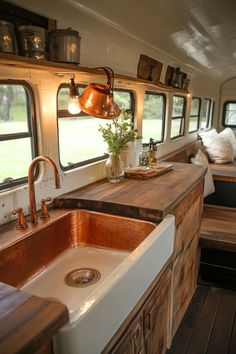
{"x":156,"y":315}
{"x":184,"y":282}
{"x":132,"y":342}
{"x":147,"y":330}
{"x":186,"y":263}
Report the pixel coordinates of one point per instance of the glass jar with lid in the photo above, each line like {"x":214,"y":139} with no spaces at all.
{"x":144,"y":158}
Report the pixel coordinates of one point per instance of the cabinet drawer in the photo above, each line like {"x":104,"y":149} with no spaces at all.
{"x":188,"y":227}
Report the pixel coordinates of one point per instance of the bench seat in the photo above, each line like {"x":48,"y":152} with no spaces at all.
{"x":218,"y":228}
{"x":224,"y":172}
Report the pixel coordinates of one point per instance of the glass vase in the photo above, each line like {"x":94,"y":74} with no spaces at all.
{"x":114,"y":168}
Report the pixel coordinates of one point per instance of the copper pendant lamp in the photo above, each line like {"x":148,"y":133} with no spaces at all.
{"x":97,"y":99}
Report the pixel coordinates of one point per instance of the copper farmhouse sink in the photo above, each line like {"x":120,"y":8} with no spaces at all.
{"x":24,"y":254}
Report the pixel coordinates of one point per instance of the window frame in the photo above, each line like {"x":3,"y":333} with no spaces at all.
{"x":224,"y":112}
{"x":209,"y":111}
{"x":154,"y":93}
{"x":198,"y":115}
{"x":212,"y":110}
{"x":32,"y":131}
{"x":66,"y":114}
{"x":183,"y":117}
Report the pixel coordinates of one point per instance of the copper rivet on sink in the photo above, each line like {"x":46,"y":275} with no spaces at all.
{"x":82,"y":277}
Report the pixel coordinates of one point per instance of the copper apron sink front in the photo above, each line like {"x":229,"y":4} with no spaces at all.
{"x":31,"y":252}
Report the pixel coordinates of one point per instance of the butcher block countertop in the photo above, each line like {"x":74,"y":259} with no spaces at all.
{"x":27,"y":322}
{"x":151,"y":199}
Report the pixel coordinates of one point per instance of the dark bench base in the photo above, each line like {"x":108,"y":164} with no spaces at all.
{"x":217,"y":268}
{"x":218,"y":246}
{"x":225,"y":194}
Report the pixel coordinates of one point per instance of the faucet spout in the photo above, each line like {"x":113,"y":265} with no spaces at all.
{"x":31,"y":183}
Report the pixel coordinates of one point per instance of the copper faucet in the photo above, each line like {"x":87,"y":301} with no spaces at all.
{"x":31,"y":183}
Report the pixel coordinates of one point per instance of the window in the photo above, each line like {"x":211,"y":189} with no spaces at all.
{"x":194,"y":114}
{"x":153,"y":116}
{"x":210,"y":123}
{"x":229,"y":114}
{"x":178,"y":116}
{"x":80,"y":141}
{"x":17,"y":132}
{"x":205,"y":120}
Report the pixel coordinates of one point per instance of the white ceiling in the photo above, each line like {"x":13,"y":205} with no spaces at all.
{"x":200,"y":33}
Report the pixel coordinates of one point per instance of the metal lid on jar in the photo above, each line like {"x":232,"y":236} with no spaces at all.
{"x":5,"y":23}
{"x":64,"y":32}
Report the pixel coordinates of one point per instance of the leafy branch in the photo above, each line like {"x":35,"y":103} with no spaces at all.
{"x":119,"y":133}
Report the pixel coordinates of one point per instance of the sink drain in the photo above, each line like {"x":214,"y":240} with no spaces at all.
{"x":82,"y":277}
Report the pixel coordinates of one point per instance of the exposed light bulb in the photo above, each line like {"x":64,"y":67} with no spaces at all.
{"x":73,"y":105}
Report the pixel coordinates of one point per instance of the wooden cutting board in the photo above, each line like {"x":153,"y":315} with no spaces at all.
{"x":139,"y":173}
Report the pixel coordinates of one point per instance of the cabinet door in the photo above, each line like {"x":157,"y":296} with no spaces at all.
{"x":133,"y":341}
{"x":188,"y":227}
{"x":185,"y":280}
{"x":156,"y":313}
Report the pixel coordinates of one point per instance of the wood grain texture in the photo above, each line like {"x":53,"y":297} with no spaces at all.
{"x":209,"y":325}
{"x":139,"y":173}
{"x":222,"y":334}
{"x":187,"y":229}
{"x":27,"y":322}
{"x":149,"y":199}
{"x":224,"y":171}
{"x":185,"y":153}
{"x":218,"y":227}
{"x":156,"y":316}
{"x":180,"y":211}
{"x":184,"y":282}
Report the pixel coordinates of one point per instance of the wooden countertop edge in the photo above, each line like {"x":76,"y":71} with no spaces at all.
{"x":154,"y":215}
{"x":27,"y":321}
{"x":148,"y":214}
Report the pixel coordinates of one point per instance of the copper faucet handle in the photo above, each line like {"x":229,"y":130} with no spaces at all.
{"x":21,"y":218}
{"x":44,"y":209}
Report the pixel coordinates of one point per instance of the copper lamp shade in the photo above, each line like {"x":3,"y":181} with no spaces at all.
{"x":97,"y":100}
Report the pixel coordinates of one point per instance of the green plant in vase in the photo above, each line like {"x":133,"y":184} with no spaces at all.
{"x":117,"y":135}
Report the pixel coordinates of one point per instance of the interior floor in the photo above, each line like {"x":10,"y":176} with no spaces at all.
{"x":209,"y":325}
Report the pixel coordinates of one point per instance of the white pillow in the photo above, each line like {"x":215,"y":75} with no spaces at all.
{"x":228,"y":133}
{"x":219,"y":148}
{"x":201,"y":160}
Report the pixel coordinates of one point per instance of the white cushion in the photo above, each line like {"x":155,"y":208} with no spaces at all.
{"x":228,"y":133}
{"x":201,"y":160}
{"x":219,"y":148}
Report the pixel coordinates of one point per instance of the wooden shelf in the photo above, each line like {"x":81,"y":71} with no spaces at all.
{"x":11,"y":60}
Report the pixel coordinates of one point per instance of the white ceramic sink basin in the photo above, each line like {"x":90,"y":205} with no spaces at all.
{"x":98,"y":310}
